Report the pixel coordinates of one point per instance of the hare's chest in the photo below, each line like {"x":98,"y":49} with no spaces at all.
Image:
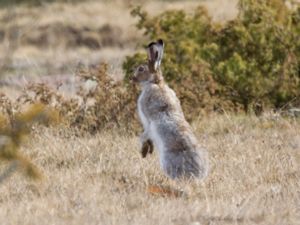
{"x":141,"y":113}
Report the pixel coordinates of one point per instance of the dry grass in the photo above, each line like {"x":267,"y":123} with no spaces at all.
{"x":102,"y":179}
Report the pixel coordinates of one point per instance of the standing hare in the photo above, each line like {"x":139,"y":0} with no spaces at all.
{"x":164,"y":122}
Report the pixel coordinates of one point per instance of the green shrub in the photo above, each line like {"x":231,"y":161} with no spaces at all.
{"x":253,"y":58}
{"x":255,"y":55}
{"x":183,"y":67}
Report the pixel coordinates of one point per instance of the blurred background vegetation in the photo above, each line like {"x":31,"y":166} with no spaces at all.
{"x":5,"y":3}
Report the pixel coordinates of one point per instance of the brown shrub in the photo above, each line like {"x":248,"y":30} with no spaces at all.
{"x":108,"y":104}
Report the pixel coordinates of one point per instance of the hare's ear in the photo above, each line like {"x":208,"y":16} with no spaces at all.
{"x":161,"y":45}
{"x":155,"y":54}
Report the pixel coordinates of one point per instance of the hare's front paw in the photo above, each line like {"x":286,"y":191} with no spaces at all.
{"x":147,"y":147}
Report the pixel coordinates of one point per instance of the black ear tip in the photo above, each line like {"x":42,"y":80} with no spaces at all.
{"x":152,"y":43}
{"x":160,"y":41}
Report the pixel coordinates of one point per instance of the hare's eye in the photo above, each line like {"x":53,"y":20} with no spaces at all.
{"x":141,"y":69}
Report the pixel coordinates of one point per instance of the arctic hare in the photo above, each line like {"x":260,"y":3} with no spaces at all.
{"x":164,"y":123}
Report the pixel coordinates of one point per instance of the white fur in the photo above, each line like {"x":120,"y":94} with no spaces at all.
{"x":158,"y":143}
{"x":143,"y":118}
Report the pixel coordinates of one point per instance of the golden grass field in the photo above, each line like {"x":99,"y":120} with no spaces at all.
{"x":254,"y":173}
{"x":254,"y":178}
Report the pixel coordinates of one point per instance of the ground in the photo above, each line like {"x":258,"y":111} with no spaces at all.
{"x":254,"y":178}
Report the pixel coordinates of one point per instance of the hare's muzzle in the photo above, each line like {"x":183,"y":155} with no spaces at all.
{"x":134,"y":79}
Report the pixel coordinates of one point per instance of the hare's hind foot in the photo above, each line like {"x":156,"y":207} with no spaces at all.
{"x":165,"y":191}
{"x":147,"y":147}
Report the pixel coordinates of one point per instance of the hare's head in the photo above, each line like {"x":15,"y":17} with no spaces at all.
{"x":150,"y":72}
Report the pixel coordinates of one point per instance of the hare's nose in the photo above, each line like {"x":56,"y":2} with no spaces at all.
{"x":133,"y":79}
{"x":141,"y":69}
